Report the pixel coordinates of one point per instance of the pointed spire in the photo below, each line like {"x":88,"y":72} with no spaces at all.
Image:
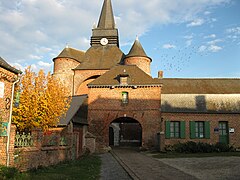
{"x":137,"y":50}
{"x":106,"y":27}
{"x":106,"y":20}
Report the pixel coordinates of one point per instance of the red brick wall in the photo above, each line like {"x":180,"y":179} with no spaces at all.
{"x":142,"y":62}
{"x":232,"y":119}
{"x":64,"y":65}
{"x":105,"y":106}
{"x":83,"y":77}
{"x":63,"y":71}
{"x":7,"y":78}
{"x":75,"y":80}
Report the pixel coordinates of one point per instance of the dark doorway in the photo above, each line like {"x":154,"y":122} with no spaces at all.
{"x":111,"y":136}
{"x":126,"y":132}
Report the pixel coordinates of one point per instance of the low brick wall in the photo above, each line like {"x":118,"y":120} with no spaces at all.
{"x":48,"y":148}
{"x":32,"y":157}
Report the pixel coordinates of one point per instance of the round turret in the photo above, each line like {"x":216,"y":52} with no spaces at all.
{"x":138,"y":57}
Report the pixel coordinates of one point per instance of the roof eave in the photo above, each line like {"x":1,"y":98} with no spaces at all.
{"x":123,"y":86}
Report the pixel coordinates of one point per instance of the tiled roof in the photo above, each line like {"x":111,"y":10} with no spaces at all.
{"x":101,"y":57}
{"x":200,"y":86}
{"x":201,"y":95}
{"x":71,"y":53}
{"x":135,"y":77}
{"x":77,"y":112}
{"x":106,"y":20}
{"x":5,"y":65}
{"x":201,"y":103}
{"x":137,"y":50}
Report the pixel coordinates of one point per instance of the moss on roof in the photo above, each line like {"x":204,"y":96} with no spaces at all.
{"x":5,"y":65}
{"x":200,"y":86}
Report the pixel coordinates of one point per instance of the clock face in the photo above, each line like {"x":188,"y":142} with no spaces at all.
{"x":104,"y":41}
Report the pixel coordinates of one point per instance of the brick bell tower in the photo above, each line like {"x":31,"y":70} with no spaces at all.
{"x":137,"y":56}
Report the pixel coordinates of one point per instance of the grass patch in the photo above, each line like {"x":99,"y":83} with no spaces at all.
{"x":11,"y":173}
{"x":194,"y":155}
{"x":87,"y":167}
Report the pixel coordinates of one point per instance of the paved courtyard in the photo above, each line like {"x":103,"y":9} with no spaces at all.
{"x":111,"y":169}
{"x":210,"y":168}
{"x":124,"y":162}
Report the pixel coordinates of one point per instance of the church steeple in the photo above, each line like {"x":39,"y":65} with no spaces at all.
{"x":105,"y":33}
{"x":106,"y":20}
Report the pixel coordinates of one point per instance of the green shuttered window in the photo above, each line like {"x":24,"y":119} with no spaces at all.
{"x":182,"y":129}
{"x":167,"y":129}
{"x":175,"y":129}
{"x":207,"y":129}
{"x":199,"y":129}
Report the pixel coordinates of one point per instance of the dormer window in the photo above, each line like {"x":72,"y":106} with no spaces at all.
{"x":124,"y":97}
{"x":124,"y":78}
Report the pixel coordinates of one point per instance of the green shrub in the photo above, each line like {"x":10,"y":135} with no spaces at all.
{"x":221,"y":147}
{"x":7,"y":172}
{"x":200,"y":147}
{"x":10,"y":173}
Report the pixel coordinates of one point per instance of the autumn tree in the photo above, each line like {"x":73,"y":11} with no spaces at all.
{"x":42,"y":101}
{"x":1,"y":120}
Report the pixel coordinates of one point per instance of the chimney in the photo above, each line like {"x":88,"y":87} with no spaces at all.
{"x":160,"y":74}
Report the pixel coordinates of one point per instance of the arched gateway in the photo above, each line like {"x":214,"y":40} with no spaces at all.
{"x":125,"y":131}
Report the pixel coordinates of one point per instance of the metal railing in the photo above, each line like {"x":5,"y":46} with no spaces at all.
{"x":23,"y":140}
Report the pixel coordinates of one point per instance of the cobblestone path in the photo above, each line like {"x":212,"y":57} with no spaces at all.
{"x":111,"y":169}
{"x":143,"y":167}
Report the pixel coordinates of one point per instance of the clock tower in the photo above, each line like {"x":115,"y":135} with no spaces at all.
{"x":105,"y":33}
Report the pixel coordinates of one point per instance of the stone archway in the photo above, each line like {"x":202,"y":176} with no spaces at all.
{"x":125,"y":131}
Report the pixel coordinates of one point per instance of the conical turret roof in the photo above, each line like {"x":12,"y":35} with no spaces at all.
{"x":137,"y":50}
{"x":106,"y":20}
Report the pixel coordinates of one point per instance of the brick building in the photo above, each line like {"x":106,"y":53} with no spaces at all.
{"x":126,"y":106}
{"x":8,"y":78}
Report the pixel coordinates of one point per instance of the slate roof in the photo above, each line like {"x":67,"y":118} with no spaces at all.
{"x":200,"y":86}
{"x":106,"y":20}
{"x":77,"y":112}
{"x":5,"y":65}
{"x":136,"y":76}
{"x":101,"y":57}
{"x":137,"y":50}
{"x":200,"y":95}
{"x":71,"y":53}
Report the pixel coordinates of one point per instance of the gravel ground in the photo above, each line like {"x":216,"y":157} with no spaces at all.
{"x":210,"y":168}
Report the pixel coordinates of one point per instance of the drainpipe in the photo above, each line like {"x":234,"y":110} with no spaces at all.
{"x":10,"y":122}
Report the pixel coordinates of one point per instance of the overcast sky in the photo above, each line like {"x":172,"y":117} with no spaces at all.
{"x":184,"y":38}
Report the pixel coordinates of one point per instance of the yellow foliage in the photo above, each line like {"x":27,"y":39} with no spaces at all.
{"x":42,"y":101}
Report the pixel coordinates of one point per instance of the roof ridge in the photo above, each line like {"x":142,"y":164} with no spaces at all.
{"x":214,"y":78}
{"x":74,"y":49}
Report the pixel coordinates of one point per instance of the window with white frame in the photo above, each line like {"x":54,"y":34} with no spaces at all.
{"x":124,"y":97}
